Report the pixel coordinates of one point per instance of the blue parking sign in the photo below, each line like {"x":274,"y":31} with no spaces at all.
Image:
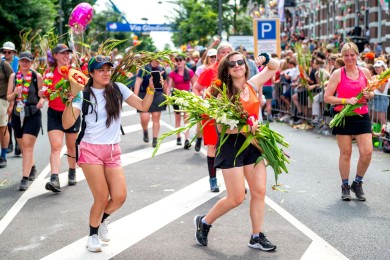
{"x":266,"y":30}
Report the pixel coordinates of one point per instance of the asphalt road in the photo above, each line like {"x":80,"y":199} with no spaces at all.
{"x":308,"y":221}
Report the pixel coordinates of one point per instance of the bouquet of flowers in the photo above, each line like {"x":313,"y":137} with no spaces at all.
{"x":229,"y":113}
{"x":348,"y":109}
{"x":303,"y":58}
{"x":67,"y":88}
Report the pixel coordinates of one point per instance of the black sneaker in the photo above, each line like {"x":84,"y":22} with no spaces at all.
{"x":187,"y":144}
{"x":53,"y":184}
{"x":198,"y":144}
{"x":178,"y":141}
{"x":146,"y":137}
{"x":154,"y":143}
{"x":3,"y":163}
{"x":17,"y":150}
{"x":72,"y":177}
{"x":10,"y":148}
{"x":23,"y":185}
{"x":358,"y":190}
{"x":33,"y":172}
{"x":261,"y":242}
{"x":345,"y":192}
{"x":201,"y":231}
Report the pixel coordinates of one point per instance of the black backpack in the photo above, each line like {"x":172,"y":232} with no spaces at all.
{"x":84,"y":111}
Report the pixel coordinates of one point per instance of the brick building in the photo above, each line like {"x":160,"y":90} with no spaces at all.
{"x":322,"y":19}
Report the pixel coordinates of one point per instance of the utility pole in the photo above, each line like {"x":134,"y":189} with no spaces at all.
{"x":219,"y":17}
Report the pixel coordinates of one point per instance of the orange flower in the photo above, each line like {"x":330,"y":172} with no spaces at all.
{"x":64,"y":70}
{"x":218,"y":82}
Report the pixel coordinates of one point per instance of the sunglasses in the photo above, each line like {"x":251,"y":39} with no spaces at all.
{"x":213,"y":57}
{"x":232,"y":63}
{"x":100,"y":58}
{"x":178,"y":59}
{"x":7,"y":52}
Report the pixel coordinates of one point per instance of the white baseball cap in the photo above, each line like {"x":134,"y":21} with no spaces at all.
{"x":212,"y":52}
{"x":380,"y":63}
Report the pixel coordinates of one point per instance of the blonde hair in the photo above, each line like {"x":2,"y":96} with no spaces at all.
{"x":349,"y":46}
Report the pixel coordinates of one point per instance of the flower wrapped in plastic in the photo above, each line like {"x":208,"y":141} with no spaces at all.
{"x":67,"y":88}
{"x":348,"y":110}
{"x":230,"y":114}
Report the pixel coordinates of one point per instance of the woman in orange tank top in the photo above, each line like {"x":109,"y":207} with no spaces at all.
{"x":233,"y":71}
{"x":346,"y":82}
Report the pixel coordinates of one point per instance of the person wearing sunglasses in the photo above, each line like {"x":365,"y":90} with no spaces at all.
{"x":9,"y":52}
{"x":160,"y":84}
{"x":100,"y":154}
{"x":233,"y":71}
{"x":55,"y":130}
{"x":181,"y":78}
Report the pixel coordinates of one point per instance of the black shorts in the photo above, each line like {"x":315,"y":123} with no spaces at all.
{"x":226,"y":158}
{"x":303,"y":98}
{"x":54,"y":122}
{"x":31,"y":124}
{"x":157,"y":100}
{"x":354,"y":125}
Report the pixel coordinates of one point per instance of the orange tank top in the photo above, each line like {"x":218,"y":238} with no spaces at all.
{"x":252,"y":105}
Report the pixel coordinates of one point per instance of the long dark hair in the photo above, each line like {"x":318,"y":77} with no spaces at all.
{"x":186,"y":75}
{"x":224,"y":76}
{"x":113,"y":100}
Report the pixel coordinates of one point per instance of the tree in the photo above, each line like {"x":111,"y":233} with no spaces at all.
{"x":197,"y":21}
{"x":17,"y":15}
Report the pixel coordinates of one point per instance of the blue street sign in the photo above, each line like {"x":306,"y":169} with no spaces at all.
{"x":266,"y":30}
{"x":138,"y":28}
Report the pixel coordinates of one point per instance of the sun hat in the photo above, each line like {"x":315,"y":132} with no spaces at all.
{"x":212,"y":52}
{"x":8,"y":46}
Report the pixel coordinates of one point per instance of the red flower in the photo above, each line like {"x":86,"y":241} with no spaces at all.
{"x":64,"y":70}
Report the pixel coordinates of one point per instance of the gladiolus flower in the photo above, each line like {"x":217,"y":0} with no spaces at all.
{"x":64,"y":70}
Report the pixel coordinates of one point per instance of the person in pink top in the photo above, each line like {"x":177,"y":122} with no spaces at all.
{"x":344,"y":85}
{"x":181,"y":78}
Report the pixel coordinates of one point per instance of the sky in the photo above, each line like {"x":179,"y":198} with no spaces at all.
{"x":135,"y":10}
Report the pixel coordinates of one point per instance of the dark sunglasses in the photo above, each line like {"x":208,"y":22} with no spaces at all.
{"x":100,"y":58}
{"x":213,"y":57}
{"x":7,"y":52}
{"x":232,"y":63}
{"x":178,"y":59}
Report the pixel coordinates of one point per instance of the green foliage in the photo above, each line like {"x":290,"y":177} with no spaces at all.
{"x":39,"y":15}
{"x":197,"y":21}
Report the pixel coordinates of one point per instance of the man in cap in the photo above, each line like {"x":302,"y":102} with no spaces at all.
{"x":9,"y":53}
{"x":251,"y":63}
{"x":5,"y":73}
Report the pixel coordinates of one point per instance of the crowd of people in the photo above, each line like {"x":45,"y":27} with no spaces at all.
{"x":270,"y":88}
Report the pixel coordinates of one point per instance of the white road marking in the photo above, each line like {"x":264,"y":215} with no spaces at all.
{"x":175,"y":205}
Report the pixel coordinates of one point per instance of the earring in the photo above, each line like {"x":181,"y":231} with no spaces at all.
{"x":228,"y":76}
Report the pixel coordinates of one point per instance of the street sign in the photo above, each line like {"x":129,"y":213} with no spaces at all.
{"x":137,"y":28}
{"x":266,"y":33}
{"x":242,"y":41}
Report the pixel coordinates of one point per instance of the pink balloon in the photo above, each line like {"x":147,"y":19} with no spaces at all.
{"x":80,"y":17}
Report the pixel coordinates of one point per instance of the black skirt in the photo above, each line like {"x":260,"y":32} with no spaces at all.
{"x":354,"y":125}
{"x":157,"y":100}
{"x":226,"y":158}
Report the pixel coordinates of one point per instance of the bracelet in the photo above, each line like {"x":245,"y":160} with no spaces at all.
{"x":343,"y":100}
{"x":266,"y":56}
{"x":150,"y":91}
{"x":246,"y":128}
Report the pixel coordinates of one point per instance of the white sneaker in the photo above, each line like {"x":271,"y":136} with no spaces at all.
{"x":93,"y":244}
{"x":103,"y":232}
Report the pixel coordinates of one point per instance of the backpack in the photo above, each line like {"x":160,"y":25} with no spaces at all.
{"x":84,"y":111}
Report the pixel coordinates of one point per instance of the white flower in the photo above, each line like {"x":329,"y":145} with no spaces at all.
{"x":181,"y":102}
{"x":49,"y":75}
{"x":222,"y":119}
{"x":232,"y":123}
{"x":206,"y":104}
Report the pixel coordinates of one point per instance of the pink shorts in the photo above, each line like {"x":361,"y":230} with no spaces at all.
{"x":108,"y":155}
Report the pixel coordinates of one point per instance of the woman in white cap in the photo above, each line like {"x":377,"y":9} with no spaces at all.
{"x":381,"y":100}
{"x":23,"y":88}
